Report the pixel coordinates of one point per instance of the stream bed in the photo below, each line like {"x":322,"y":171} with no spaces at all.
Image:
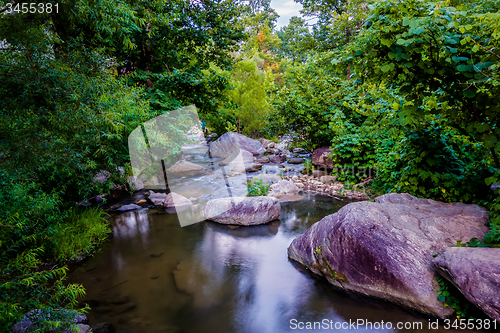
{"x":155,"y":276}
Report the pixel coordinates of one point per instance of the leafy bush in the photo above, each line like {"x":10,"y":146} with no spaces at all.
{"x":257,"y":188}
{"x":32,"y":235}
{"x":435,"y":162}
{"x":83,"y":231}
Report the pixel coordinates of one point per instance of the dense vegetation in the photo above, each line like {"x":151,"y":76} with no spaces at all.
{"x":407,"y":88}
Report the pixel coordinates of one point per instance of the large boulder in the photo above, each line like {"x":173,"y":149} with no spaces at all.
{"x":385,"y":248}
{"x":238,"y":156}
{"x":476,"y":273}
{"x":321,"y":157}
{"x":187,"y":169}
{"x":228,"y":143}
{"x":282,"y":188}
{"x":243,"y":210}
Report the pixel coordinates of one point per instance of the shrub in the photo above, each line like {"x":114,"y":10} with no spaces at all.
{"x":257,"y":188}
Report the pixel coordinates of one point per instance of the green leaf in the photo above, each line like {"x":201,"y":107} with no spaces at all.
{"x":387,"y":67}
{"x":469,"y":93}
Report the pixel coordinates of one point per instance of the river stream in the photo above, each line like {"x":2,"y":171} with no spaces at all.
{"x":155,"y":276}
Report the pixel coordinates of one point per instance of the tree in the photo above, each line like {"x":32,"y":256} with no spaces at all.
{"x":249,"y":95}
{"x":295,"y":39}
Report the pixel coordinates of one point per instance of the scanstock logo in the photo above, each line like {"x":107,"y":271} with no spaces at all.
{"x":171,"y":152}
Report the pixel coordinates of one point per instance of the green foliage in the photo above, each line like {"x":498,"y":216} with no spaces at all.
{"x":448,"y":295}
{"x":31,"y":222}
{"x":79,"y":236}
{"x":257,"y":188}
{"x":250,"y":86}
{"x":295,"y":38}
{"x":308,"y":167}
{"x":440,"y":58}
{"x":435,"y":162}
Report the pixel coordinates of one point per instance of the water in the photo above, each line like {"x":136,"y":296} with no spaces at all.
{"x":154,"y":276}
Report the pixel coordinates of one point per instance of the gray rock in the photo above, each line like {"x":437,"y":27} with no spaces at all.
{"x":319,"y":173}
{"x":271,"y":145}
{"x":277,"y":158}
{"x":265,"y":142}
{"x":243,"y":210}
{"x":157,"y":198}
{"x":296,"y":160}
{"x":32,"y":320}
{"x":476,"y":273}
{"x":299,"y":150}
{"x":127,"y":208}
{"x":254,"y":167}
{"x":231,"y":141}
{"x":81,"y":328}
{"x":263,"y":159}
{"x":104,"y":327}
{"x":187,"y":169}
{"x":327,"y":179}
{"x":268,"y":178}
{"x":384,"y":249}
{"x":102,"y":176}
{"x":282,"y":188}
{"x":321,"y":157}
{"x":173,"y":200}
{"x":239,"y":156}
{"x":238,"y":169}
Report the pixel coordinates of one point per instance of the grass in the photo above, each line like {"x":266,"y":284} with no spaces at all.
{"x":82,"y":232}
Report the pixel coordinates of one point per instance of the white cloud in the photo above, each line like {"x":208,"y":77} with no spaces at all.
{"x":285,"y":9}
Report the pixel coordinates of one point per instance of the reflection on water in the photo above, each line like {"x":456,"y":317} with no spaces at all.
{"x":154,"y":276}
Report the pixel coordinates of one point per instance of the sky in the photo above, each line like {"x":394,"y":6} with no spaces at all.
{"x":285,"y":9}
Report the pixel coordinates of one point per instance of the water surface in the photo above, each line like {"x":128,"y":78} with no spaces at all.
{"x":155,"y":276}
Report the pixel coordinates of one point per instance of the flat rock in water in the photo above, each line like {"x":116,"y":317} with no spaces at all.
{"x":282,"y":188}
{"x":385,"y":248}
{"x":277,"y":158}
{"x":254,"y":167}
{"x":243,"y":210}
{"x":239,"y":156}
{"x":187,"y":169}
{"x":296,"y":160}
{"x":263,"y":159}
{"x":476,"y":273}
{"x":173,"y":200}
{"x":231,"y":141}
{"x":156,"y":198}
{"x":127,"y":208}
